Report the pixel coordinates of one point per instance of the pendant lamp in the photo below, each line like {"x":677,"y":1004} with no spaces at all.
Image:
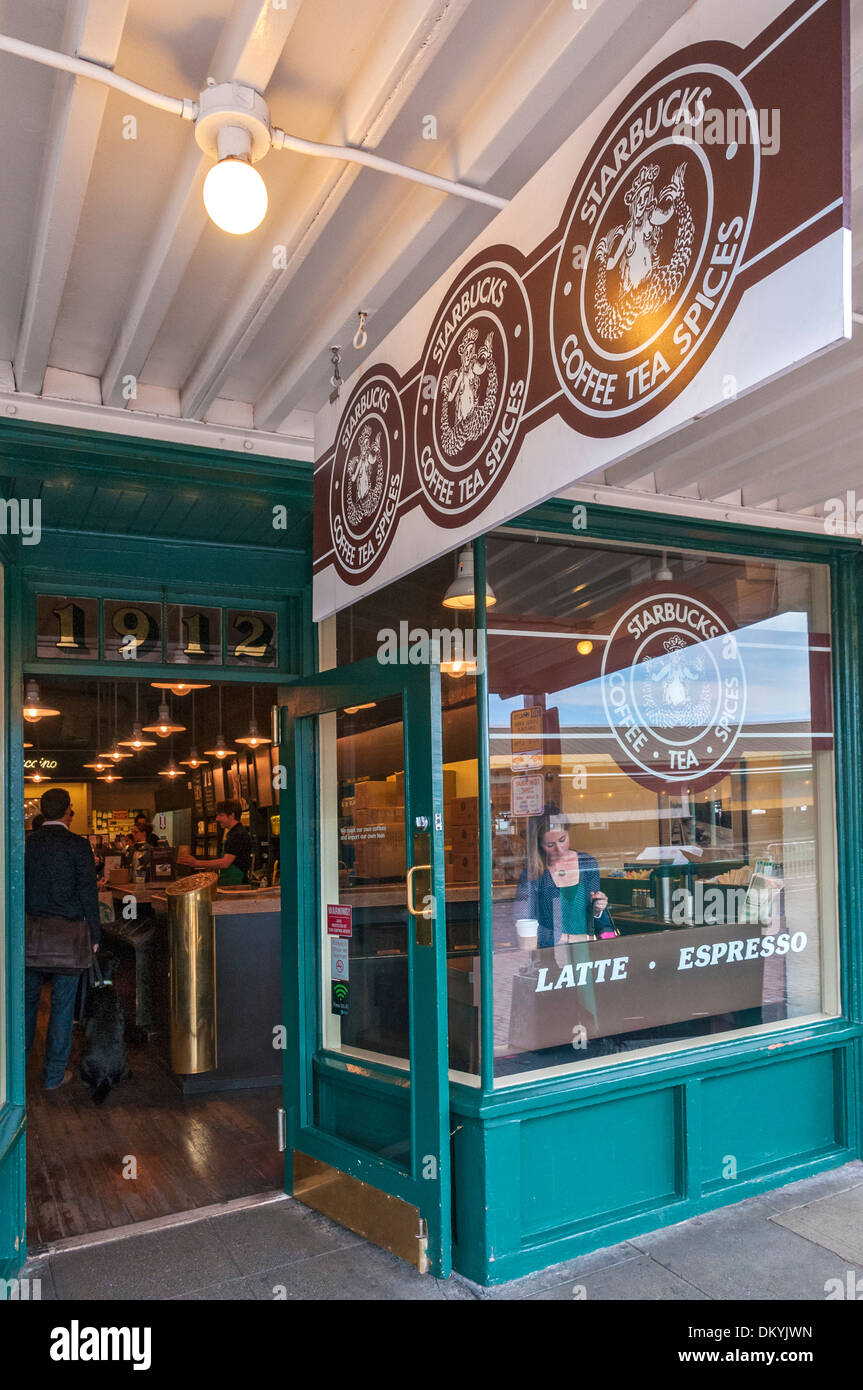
{"x":137,"y":741}
{"x":221,"y":750}
{"x":194,"y":759}
{"x":34,"y":707}
{"x":254,"y":738}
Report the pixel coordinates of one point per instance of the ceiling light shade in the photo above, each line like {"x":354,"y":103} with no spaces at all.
{"x":98,"y":765}
{"x":460,"y":593}
{"x":34,"y":777}
{"x":354,"y":709}
{"x":180,"y":687}
{"x":194,"y":759}
{"x":465,"y":667}
{"x":253,"y":739}
{"x":115,"y":753}
{"x":164,"y":725}
{"x":111,"y":776}
{"x":220,"y":751}
{"x":137,"y":739}
{"x":171,"y":770}
{"x":34,"y":708}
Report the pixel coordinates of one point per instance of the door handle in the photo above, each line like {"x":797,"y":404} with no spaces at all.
{"x":417,"y":869}
{"x":420,"y":914}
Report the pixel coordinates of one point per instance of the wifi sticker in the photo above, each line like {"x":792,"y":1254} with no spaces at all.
{"x":339,"y":1000}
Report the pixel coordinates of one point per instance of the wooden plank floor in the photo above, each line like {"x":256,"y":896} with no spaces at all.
{"x":187,"y":1152}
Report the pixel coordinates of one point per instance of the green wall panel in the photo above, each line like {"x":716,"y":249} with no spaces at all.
{"x":763,"y":1117}
{"x":582,"y":1167}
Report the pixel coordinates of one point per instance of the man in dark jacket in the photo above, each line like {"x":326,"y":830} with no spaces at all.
{"x":59,"y":881}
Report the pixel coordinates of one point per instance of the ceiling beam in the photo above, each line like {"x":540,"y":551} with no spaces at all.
{"x":93,"y":31}
{"x":250,"y":47}
{"x":806,"y":473}
{"x":402,"y":52}
{"x":691,"y":454}
{"x":554,"y":61}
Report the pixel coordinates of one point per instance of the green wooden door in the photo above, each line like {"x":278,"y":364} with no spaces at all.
{"x":361,"y":849}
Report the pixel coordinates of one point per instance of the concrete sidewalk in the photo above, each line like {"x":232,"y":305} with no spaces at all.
{"x":786,"y":1244}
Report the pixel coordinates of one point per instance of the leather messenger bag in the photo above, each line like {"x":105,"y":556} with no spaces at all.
{"x":59,"y":944}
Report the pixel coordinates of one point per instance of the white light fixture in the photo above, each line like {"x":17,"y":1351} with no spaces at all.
{"x":34,"y":708}
{"x":235,"y":107}
{"x":460,"y":593}
{"x":664,"y":574}
{"x":233,"y":127}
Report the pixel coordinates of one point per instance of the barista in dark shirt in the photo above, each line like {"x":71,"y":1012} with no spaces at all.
{"x":145,"y":825}
{"x":236,"y":857}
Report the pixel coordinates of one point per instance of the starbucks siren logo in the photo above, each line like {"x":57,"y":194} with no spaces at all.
{"x":472,"y":389}
{"x":367,"y":474}
{"x":674,"y":689}
{"x":658,"y":224}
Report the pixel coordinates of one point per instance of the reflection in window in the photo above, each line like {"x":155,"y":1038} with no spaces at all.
{"x":661,"y":757}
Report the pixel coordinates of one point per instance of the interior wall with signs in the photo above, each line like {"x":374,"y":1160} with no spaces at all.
{"x":662,"y":798}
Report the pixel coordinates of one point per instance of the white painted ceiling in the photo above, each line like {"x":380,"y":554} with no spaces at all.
{"x":112,"y":270}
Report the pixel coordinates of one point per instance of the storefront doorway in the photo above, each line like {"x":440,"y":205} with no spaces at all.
{"x":149,"y":770}
{"x":368,"y":1095}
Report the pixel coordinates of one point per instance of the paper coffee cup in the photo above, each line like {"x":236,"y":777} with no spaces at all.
{"x":527,"y":930}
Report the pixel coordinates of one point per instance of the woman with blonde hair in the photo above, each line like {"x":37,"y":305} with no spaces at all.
{"x":560,"y":887}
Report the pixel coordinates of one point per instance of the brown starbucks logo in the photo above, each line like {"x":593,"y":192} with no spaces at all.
{"x":367,"y":473}
{"x":674,"y":689}
{"x":472,"y":389}
{"x":657,"y":229}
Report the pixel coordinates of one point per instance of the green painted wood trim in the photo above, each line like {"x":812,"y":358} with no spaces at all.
{"x":106,"y":458}
{"x":542,"y":1255}
{"x":486,"y":905}
{"x":650,"y":1073}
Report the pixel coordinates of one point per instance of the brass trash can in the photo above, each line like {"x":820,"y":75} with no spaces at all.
{"x":192,"y":965}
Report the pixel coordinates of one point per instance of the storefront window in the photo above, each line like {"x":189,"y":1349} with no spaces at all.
{"x":662,"y":799}
{"x":380,"y":626}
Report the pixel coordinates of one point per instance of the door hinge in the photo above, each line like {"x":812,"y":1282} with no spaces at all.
{"x":423,"y":1246}
{"x":282,"y":1128}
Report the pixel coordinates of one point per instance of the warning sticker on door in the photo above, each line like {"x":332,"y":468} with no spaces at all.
{"x":339,"y":920}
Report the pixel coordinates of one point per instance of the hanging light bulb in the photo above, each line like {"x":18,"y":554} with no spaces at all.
{"x":460,"y":593}
{"x":235,"y":195}
{"x":136,"y":739}
{"x":194,"y":759}
{"x":171,"y":770}
{"x":254,"y":738}
{"x":34,"y":709}
{"x":112,"y":776}
{"x":28,"y":745}
{"x":221,"y":750}
{"x":164,"y":725}
{"x":115,"y":753}
{"x":34,"y":777}
{"x":180,"y":687}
